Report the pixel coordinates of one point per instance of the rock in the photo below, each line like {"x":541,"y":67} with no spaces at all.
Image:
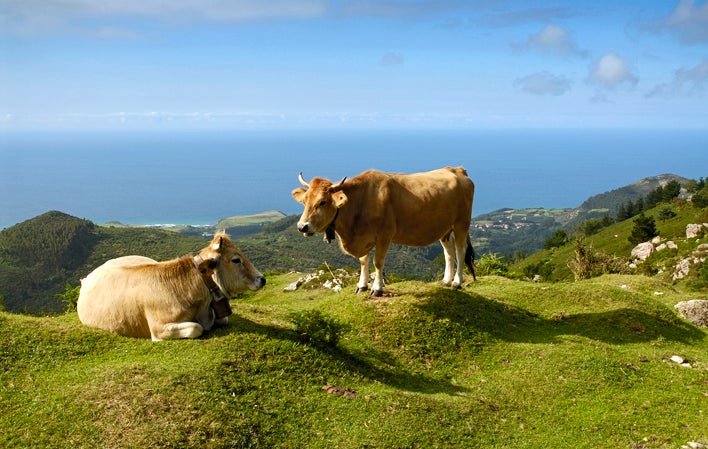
{"x":682,"y":269}
{"x":677,"y":358}
{"x":671,"y":245}
{"x":694,"y":229}
{"x":642,"y":251}
{"x":294,"y":286}
{"x":695,"y":311}
{"x":656,"y":240}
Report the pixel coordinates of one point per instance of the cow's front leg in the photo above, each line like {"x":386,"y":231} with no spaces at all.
{"x":363,"y":284}
{"x":172,"y":331}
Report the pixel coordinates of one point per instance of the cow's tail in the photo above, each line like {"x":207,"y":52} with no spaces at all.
{"x":469,"y":257}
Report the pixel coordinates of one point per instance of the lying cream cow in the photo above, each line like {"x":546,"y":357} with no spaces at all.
{"x":136,"y":296}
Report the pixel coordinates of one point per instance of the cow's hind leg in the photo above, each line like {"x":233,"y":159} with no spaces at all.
{"x":363,"y":284}
{"x":172,"y":331}
{"x":377,"y":288}
{"x":448,"y":244}
{"x":460,"y":250}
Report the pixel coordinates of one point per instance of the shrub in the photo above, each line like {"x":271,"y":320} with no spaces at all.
{"x":491,"y":264}
{"x":70,"y":297}
{"x":588,"y":263}
{"x":594,"y":225}
{"x":666,"y":213}
{"x":543,"y":268}
{"x":315,"y":327}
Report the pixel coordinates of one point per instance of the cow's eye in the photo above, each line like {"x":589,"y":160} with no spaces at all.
{"x":322,"y":203}
{"x":236,"y":260}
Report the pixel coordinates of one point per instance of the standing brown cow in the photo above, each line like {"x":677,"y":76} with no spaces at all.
{"x":136,"y":296}
{"x":375,"y":209}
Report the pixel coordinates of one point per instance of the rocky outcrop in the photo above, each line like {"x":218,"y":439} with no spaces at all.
{"x":695,"y":311}
{"x":697,"y":257}
{"x":694,"y":230}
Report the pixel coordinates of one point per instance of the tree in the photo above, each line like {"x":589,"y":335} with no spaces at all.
{"x":559,"y":238}
{"x":622,"y":213}
{"x":671,"y":190}
{"x":644,"y":229}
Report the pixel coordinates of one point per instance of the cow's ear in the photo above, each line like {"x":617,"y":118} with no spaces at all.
{"x":216,"y":244}
{"x":299,"y":195}
{"x":207,"y":266}
{"x":339,"y":199}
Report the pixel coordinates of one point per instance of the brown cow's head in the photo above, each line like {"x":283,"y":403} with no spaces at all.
{"x":321,"y":199}
{"x":229,"y":268}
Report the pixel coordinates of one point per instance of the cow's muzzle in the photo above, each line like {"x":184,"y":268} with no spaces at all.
{"x":305,"y":229}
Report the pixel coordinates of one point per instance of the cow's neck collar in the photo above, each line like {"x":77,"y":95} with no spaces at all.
{"x":329,"y":232}
{"x":217,"y":295}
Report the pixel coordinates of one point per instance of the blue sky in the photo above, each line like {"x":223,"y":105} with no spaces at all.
{"x":219,"y":64}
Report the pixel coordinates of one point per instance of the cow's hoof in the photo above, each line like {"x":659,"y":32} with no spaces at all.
{"x":361,"y":289}
{"x":457,"y":286}
{"x":444,"y":284}
{"x":376,"y":293}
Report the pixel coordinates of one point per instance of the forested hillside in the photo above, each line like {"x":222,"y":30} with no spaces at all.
{"x":40,"y":256}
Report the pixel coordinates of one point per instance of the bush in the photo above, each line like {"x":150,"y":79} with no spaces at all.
{"x":544,"y":268}
{"x":491,"y":264}
{"x":315,"y":327}
{"x":666,"y":213}
{"x":70,"y":297}
{"x":588,"y":263}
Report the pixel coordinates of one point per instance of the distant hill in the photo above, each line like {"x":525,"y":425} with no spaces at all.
{"x":39,"y":256}
{"x":236,"y":226}
{"x":516,"y":232}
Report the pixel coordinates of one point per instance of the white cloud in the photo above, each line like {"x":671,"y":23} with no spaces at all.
{"x":689,"y":22}
{"x":553,"y":39}
{"x":543,"y":83}
{"x":612,"y":71}
{"x":685,"y":82}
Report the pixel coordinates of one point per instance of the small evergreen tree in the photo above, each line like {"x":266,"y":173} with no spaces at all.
{"x":671,"y":190}
{"x":700,"y":198}
{"x":558,"y":239}
{"x":644,"y":229}
{"x":622,"y":213}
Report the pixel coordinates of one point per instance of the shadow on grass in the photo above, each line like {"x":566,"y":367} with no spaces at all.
{"x":375,"y":365}
{"x":511,"y":323}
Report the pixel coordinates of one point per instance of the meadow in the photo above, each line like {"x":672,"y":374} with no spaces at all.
{"x":499,"y":363}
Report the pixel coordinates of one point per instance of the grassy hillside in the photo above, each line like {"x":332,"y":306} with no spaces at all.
{"x":613,"y":240}
{"x":500,"y":363}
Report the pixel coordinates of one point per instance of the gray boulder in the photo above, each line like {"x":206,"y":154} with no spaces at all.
{"x":695,"y":311}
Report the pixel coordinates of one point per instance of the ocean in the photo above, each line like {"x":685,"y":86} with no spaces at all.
{"x":201,"y":177}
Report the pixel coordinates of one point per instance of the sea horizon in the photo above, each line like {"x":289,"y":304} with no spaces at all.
{"x":199,"y":177}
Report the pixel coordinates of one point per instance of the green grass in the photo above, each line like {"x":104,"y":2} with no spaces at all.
{"x":500,"y":363}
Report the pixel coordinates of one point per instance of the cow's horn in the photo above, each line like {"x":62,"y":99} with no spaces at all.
{"x":339,"y":184}
{"x":302,"y":181}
